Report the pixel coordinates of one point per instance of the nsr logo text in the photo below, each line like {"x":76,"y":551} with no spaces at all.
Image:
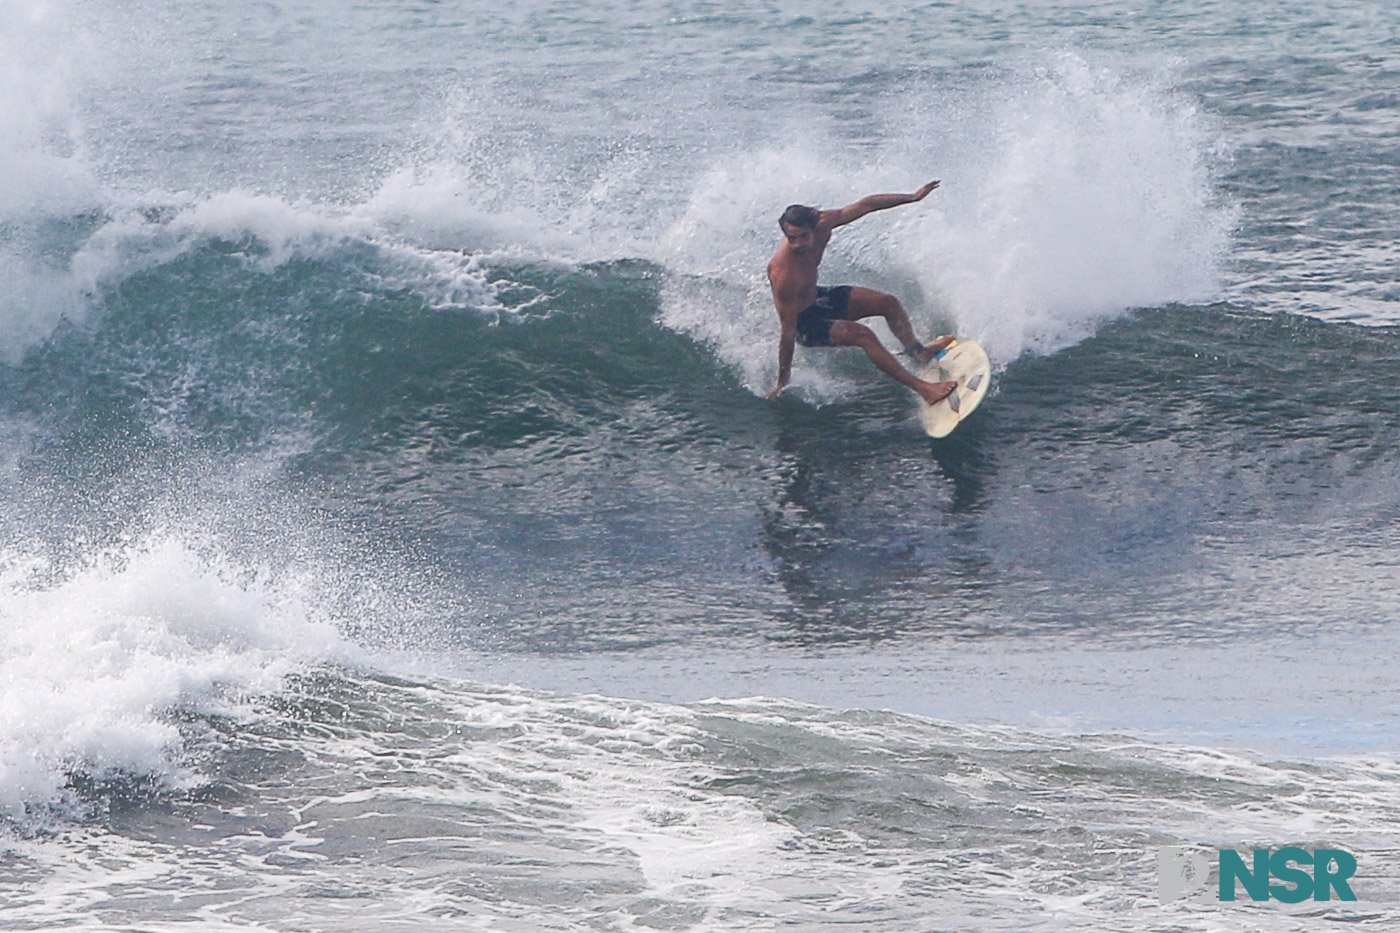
{"x":1183,"y":873}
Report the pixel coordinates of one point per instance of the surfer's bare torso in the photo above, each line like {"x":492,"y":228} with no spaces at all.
{"x":792,"y":272}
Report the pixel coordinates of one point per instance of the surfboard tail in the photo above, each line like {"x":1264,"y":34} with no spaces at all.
{"x":965,"y":363}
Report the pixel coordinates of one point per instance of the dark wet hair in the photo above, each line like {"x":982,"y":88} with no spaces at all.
{"x":799,"y":215}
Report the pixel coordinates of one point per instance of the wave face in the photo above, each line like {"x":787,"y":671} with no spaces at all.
{"x":357,"y":362}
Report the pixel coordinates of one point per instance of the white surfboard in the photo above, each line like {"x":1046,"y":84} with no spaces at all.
{"x":966,"y":362}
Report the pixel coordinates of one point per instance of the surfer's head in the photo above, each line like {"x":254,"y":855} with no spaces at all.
{"x":799,"y":223}
{"x":799,"y":215}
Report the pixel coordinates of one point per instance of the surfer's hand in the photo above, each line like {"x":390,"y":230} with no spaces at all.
{"x":923,"y":192}
{"x":782,"y":384}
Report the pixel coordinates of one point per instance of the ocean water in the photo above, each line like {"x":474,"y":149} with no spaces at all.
{"x":395,"y":536}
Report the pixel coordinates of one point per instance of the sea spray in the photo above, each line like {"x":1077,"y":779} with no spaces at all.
{"x":1095,"y":193}
{"x":45,"y":182}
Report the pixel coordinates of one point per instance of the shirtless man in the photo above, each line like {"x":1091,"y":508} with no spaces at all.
{"x":823,"y":317}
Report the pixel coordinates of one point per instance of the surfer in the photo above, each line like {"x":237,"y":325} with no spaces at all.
{"x":829,"y":316}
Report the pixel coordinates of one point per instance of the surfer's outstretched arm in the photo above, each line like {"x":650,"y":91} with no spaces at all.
{"x":874,"y":202}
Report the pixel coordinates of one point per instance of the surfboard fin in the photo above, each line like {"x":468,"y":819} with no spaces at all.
{"x":953,"y":402}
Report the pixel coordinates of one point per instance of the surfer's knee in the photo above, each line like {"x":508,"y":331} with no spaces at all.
{"x":882,"y":304}
{"x":890,"y":306}
{"x":867,"y":302}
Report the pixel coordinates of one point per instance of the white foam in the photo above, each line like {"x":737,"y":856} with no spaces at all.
{"x":265,"y":232}
{"x":44,"y":175}
{"x":93,"y":667}
{"x":1093,"y":195}
{"x":39,"y":127}
{"x":159,"y":227}
{"x":440,"y":205}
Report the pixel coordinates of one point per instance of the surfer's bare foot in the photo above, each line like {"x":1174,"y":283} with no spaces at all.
{"x":930,"y":349}
{"x":935,"y":392}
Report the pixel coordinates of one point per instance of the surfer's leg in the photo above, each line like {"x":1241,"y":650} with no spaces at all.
{"x":851,"y":334}
{"x":867,"y":302}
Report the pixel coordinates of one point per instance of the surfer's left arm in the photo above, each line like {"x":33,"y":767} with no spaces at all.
{"x":786,"y":344}
{"x":872,"y":203}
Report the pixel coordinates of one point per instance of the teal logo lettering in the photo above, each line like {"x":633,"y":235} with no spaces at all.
{"x":1286,"y":865}
{"x":1280,"y":875}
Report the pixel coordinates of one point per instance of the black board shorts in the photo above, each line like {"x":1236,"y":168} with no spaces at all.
{"x":814,"y":321}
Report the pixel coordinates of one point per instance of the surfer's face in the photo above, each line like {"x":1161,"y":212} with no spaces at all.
{"x":799,"y":238}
